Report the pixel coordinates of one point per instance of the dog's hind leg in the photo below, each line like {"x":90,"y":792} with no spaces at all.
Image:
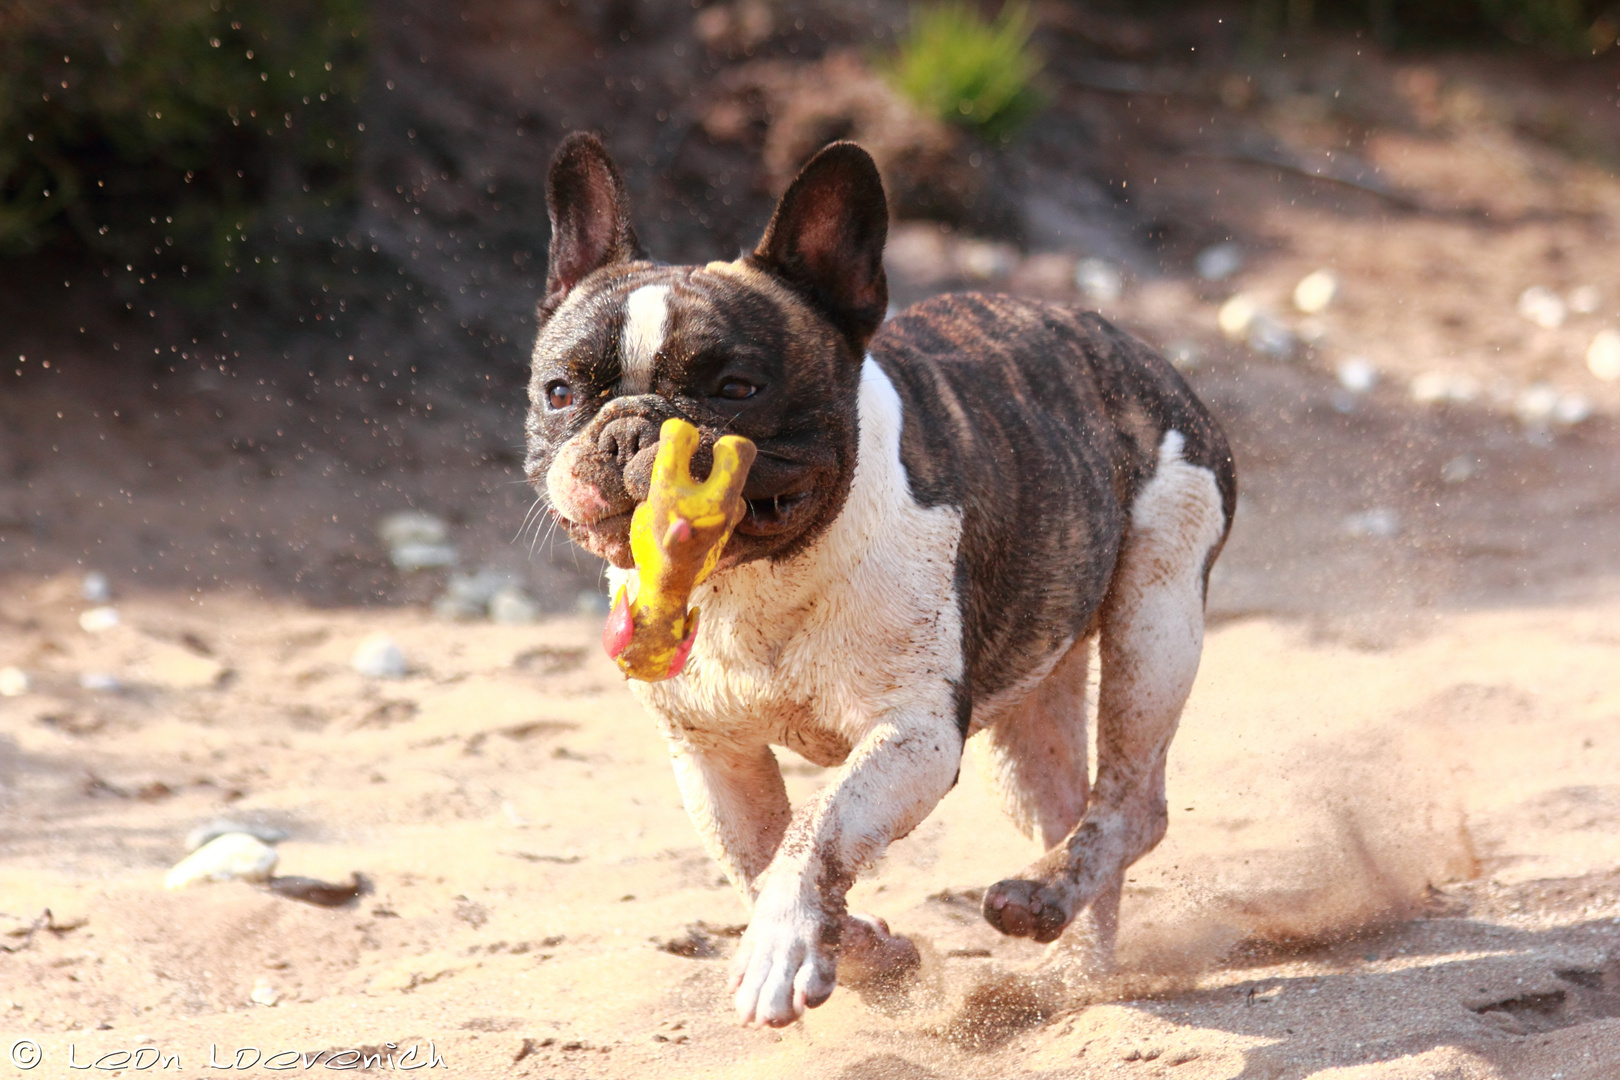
{"x":1036,"y":754}
{"x":1152,"y":631}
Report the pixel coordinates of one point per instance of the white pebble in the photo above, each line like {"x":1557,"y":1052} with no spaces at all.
{"x":415,"y":556}
{"x":1219,"y":261}
{"x":1571,"y":409}
{"x":1535,"y":405}
{"x":1543,"y":307}
{"x":97,"y":619}
{"x":1458,"y":469}
{"x":1434,"y":387}
{"x":412,"y":527}
{"x":100,"y":682}
{"x":1357,"y":375}
{"x":1585,"y":299}
{"x":1184,"y":355}
{"x":263,"y":993}
{"x":232,"y":856}
{"x":986,"y":260}
{"x":513,"y":607}
{"x":1380,"y":523}
{"x":378,"y":657}
{"x":1603,"y":356}
{"x":13,"y":682}
{"x":1316,"y":291}
{"x":1269,"y":337}
{"x":1236,"y":314}
{"x":96,"y":588}
{"x":1099,"y":279}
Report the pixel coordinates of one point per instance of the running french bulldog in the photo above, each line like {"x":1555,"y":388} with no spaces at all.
{"x":945,"y":509}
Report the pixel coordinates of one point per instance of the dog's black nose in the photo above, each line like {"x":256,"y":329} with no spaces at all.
{"x":626,"y":437}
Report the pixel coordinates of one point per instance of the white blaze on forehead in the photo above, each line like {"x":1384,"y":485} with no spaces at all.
{"x":646,"y":321}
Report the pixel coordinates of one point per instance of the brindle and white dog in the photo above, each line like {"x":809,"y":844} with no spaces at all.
{"x":945,"y":509}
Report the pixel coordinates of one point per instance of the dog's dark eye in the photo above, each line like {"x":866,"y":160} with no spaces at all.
{"x":559,"y":395}
{"x":737,"y":390}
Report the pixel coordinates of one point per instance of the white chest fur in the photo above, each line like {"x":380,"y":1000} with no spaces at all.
{"x":862,"y":625}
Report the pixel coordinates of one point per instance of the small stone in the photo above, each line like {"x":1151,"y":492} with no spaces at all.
{"x":1099,"y":279}
{"x":513,"y":607}
{"x":1316,"y":291}
{"x":413,"y":556}
{"x":1535,"y":405}
{"x":986,"y":260}
{"x":1458,"y":470}
{"x":100,"y":682}
{"x":97,"y":619}
{"x":1269,"y":337}
{"x":235,"y":856}
{"x":1585,"y":299}
{"x":378,"y":657}
{"x":213,"y":830}
{"x":263,"y":993}
{"x":467,"y":596}
{"x":1543,"y":307}
{"x":1603,"y":356}
{"x":1236,"y":314}
{"x":1219,"y":261}
{"x":1184,"y":355}
{"x":1571,"y":409}
{"x":1434,"y":387}
{"x":412,"y":527}
{"x":1380,"y":523}
{"x":96,"y":588}
{"x":13,"y":682}
{"x":1357,"y":375}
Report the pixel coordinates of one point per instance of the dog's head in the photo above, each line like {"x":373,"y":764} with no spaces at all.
{"x":769,"y":347}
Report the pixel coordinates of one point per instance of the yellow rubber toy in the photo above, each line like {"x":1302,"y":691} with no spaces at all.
{"x":676,"y":537}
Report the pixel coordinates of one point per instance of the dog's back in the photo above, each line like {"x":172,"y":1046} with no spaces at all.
{"x":1045,"y":422}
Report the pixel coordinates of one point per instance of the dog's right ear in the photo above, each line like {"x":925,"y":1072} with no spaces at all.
{"x":590,"y":216}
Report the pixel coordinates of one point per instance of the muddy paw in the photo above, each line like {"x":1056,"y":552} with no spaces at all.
{"x":1032,"y":909}
{"x":870,"y":956}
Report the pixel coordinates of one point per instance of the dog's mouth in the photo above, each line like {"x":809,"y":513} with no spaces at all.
{"x":771,"y":515}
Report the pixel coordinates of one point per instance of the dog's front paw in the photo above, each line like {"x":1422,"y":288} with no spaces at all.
{"x":784,"y":965}
{"x":1034,"y":909}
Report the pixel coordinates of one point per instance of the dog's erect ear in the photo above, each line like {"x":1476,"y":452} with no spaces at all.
{"x":826,"y":239}
{"x":590,"y":216}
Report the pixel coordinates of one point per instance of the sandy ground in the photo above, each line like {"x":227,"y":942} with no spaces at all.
{"x":1394,"y":847}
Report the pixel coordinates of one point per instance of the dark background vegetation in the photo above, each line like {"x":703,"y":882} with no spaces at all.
{"x":371,"y":171}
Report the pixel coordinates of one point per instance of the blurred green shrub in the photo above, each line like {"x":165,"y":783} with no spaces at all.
{"x":172,"y":137}
{"x":964,"y":69}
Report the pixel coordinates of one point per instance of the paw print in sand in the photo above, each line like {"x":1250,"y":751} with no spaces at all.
{"x":676,"y":537}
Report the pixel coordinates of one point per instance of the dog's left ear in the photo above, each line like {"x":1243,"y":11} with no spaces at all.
{"x":590,"y":216}
{"x":826,"y":239}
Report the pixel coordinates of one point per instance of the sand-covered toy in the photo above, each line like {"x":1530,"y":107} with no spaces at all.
{"x":676,"y":537}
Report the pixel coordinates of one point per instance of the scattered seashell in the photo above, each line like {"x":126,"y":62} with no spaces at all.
{"x":97,"y":619}
{"x":511,"y":606}
{"x":96,"y":588}
{"x":1459,"y":469}
{"x":224,"y":858}
{"x":1236,"y":314}
{"x":213,"y":830}
{"x":1585,"y":299}
{"x":1357,"y":375}
{"x":1434,"y":387}
{"x":13,"y":682}
{"x":1219,"y":261}
{"x":1380,"y":523}
{"x":1603,"y":356}
{"x":378,"y":657}
{"x":1316,"y":291}
{"x":1099,"y":279}
{"x":1543,"y":307}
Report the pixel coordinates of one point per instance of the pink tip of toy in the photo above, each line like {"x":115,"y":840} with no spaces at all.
{"x":683,"y":650}
{"x":620,"y":628}
{"x":680,"y":531}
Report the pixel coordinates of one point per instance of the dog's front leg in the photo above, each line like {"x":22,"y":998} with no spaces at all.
{"x":895,"y":775}
{"x":735,"y":798}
